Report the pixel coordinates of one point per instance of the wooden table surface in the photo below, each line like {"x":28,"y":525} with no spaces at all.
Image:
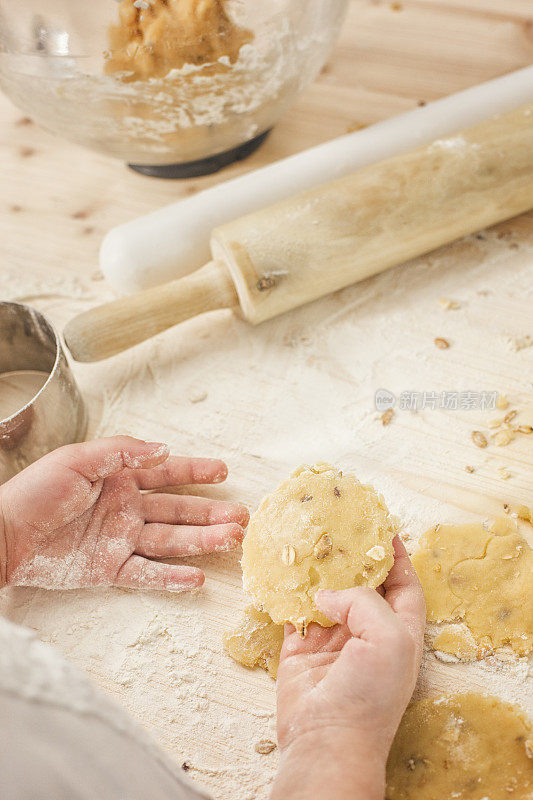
{"x":295,"y":389}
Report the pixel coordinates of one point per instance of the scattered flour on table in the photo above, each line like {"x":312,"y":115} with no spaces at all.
{"x":52,"y":291}
{"x":178,"y":651}
{"x":503,"y":674}
{"x":161,"y":658}
{"x":297,"y":389}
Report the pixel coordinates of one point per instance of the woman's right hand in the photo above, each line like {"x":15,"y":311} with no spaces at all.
{"x":342,"y":690}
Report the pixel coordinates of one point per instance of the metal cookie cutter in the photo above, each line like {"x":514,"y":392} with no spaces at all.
{"x":56,"y":415}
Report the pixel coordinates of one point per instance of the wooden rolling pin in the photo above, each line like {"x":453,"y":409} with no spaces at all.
{"x":317,"y":242}
{"x":131,"y":263}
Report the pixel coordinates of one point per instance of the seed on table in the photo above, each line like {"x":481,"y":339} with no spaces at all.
{"x":479,"y":439}
{"x":265,"y":746}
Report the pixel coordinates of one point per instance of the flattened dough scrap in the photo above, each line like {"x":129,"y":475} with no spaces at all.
{"x":439,"y":549}
{"x":483,"y":577}
{"x":496,"y":592}
{"x":458,"y":641}
{"x":150,"y":42}
{"x":256,"y":642}
{"x":462,"y":746}
{"x":319,"y":530}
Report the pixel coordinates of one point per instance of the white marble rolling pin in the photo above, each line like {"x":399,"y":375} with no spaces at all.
{"x":288,"y":254}
{"x":173,"y":241}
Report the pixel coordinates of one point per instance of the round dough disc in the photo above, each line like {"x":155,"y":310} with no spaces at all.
{"x":319,"y":530}
{"x":468,"y":746}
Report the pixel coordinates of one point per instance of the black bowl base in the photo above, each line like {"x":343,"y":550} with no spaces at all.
{"x":204,"y":166}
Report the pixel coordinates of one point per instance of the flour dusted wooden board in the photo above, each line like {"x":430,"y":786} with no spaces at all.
{"x":299,"y":388}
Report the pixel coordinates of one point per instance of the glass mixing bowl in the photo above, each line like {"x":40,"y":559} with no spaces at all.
{"x":175,"y":87}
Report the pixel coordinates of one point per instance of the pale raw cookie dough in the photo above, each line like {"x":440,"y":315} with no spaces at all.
{"x":150,"y":42}
{"x":526,"y":513}
{"x":496,"y":592}
{"x":457,"y":641}
{"x":256,"y":642}
{"x":439,"y":549}
{"x":319,"y":530}
{"x":482,"y":576}
{"x":462,"y":746}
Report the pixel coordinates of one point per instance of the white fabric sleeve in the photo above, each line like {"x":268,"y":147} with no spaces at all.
{"x":61,"y":738}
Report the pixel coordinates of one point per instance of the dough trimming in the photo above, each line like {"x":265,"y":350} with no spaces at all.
{"x":463,"y":746}
{"x":482,"y":576}
{"x":256,"y":642}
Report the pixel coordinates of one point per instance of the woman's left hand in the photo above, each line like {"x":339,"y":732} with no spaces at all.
{"x":78,"y":517}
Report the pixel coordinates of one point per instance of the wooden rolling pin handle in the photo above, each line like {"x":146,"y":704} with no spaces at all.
{"x":111,"y":328}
